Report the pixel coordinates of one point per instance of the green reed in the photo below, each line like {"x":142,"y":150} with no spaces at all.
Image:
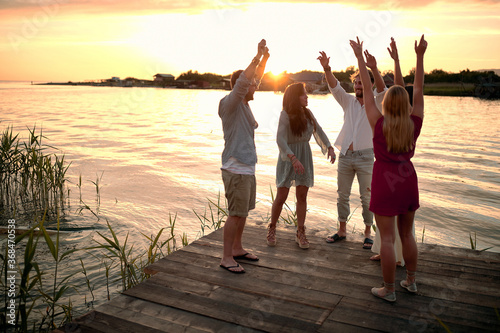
{"x":31,"y":276}
{"x":214,"y":217}
{"x":53,"y":295}
{"x":32,"y":180}
{"x":473,"y":243}
{"x":40,"y":293}
{"x":118,"y":255}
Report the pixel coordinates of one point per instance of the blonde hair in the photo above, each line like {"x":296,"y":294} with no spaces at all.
{"x":398,"y":128}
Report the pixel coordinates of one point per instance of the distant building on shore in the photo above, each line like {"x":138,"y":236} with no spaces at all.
{"x":164,"y":79}
{"x":312,"y":80}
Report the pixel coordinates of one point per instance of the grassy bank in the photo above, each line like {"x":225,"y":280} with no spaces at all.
{"x":449,"y":89}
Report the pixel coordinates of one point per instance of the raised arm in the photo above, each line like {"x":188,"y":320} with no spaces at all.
{"x":259,"y":72}
{"x":250,"y":71}
{"x":393,"y":52}
{"x":372,"y":112}
{"x":371,"y":62}
{"x":330,"y":78}
{"x":418,"y":83}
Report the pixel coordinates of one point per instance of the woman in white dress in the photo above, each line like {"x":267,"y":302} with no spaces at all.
{"x":295,"y":166}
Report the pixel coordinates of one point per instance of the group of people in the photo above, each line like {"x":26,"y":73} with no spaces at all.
{"x":376,"y":144}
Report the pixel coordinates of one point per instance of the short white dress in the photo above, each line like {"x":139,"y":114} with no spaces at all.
{"x":298,"y":146}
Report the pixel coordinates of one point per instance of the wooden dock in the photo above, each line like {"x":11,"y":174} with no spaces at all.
{"x":323,"y":289}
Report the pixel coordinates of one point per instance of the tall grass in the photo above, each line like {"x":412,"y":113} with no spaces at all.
{"x":32,"y":180}
{"x":43,"y":297}
{"x":214,"y":217}
{"x":40,"y":293}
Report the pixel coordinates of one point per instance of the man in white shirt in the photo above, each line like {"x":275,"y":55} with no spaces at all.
{"x":355,"y":145}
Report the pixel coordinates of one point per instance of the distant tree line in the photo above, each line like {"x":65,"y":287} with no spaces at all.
{"x":434,"y":76}
{"x":464,"y":76}
{"x":195,"y":76}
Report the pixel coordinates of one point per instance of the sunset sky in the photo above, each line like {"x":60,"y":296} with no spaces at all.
{"x":77,"y":40}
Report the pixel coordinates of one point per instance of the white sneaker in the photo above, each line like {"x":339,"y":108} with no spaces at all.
{"x":410,"y":287}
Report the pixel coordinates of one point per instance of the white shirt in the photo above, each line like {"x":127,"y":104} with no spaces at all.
{"x":356,"y":128}
{"x":237,"y":167}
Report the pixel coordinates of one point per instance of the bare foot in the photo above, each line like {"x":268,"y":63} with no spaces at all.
{"x":232,"y":266}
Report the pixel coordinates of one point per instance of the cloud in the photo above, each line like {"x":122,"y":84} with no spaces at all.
{"x":197,"y":6}
{"x":113,"y":6}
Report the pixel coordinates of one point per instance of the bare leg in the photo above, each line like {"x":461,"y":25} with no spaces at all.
{"x":279,"y":201}
{"x":238,"y":249}
{"x":342,"y":229}
{"x":368,"y":231}
{"x":301,"y":194}
{"x":410,"y":251}
{"x":232,"y":236}
{"x":385,"y":225}
{"x":301,"y":239}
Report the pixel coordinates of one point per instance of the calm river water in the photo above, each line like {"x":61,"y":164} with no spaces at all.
{"x":157,"y":152}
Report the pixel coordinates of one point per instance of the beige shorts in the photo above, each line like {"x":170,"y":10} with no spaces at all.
{"x":240,"y":193}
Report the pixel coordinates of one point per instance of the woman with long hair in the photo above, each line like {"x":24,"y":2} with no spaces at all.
{"x":394,"y":187}
{"x":295,"y":166}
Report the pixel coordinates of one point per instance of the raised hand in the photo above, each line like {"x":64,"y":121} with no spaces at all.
{"x":357,"y":47}
{"x":421,"y":47}
{"x":261,"y":47}
{"x":323,"y":59}
{"x":393,"y":50}
{"x":266,"y":52}
{"x":371,"y":62}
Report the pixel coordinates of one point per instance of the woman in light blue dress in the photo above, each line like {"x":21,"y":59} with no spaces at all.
{"x":295,"y":165}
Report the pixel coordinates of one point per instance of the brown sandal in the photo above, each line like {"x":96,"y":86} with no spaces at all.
{"x":301,"y":238}
{"x":271,"y":235}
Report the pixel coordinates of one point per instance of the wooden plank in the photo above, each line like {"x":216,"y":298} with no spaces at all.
{"x":425,"y":315}
{"x":101,"y":322}
{"x":380,"y":316}
{"x":288,"y":233}
{"x":358,"y":285}
{"x":254,"y":302}
{"x":368,"y":275}
{"x":178,"y":317}
{"x":323,"y":289}
{"x":462,"y":282}
{"x":146,"y":321}
{"x":226,"y":311}
{"x":298,"y":277}
{"x":474,"y":262}
{"x":277,"y":291}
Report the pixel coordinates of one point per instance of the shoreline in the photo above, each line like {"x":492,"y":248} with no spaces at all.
{"x":430,"y":89}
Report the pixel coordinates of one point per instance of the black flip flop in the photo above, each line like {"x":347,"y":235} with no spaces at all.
{"x":367,"y":241}
{"x":228,"y":268}
{"x":336,"y":238}
{"x":245,"y":257}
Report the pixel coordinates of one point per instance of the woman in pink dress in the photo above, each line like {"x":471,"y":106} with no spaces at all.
{"x":394,"y":187}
